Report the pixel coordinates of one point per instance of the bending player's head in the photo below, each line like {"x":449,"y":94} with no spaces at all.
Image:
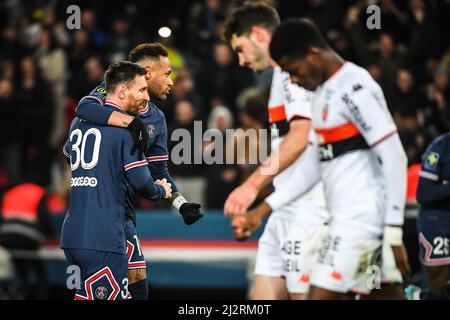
{"x":248,"y":30}
{"x":154,"y":58}
{"x":126,"y":86}
{"x":298,"y":47}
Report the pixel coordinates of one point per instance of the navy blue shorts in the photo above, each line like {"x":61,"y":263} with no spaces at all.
{"x":104,"y":275}
{"x":434,"y":237}
{"x":135,"y":255}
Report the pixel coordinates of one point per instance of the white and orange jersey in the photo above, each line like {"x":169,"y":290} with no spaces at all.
{"x":287,"y":102}
{"x":350,"y":116}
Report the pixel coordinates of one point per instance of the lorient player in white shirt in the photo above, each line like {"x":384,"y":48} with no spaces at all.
{"x":362,"y":159}
{"x":289,"y":246}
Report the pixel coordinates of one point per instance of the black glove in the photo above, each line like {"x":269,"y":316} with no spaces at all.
{"x":190,"y":212}
{"x":139,"y":134}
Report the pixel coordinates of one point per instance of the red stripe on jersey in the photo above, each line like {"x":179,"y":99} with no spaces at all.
{"x":135,"y":164}
{"x":144,"y":110}
{"x":137,"y":265}
{"x":383,"y":138}
{"x":339,"y":133}
{"x":157,"y":158}
{"x":277,"y":114}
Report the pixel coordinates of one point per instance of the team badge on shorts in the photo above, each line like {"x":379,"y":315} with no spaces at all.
{"x":101,"y":293}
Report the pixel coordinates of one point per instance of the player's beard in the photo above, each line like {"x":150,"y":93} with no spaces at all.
{"x":262,"y":60}
{"x":159,"y":96}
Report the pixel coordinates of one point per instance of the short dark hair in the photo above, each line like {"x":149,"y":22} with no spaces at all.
{"x":241,"y":20}
{"x":295,"y":37}
{"x":122,"y":72}
{"x":147,"y":51}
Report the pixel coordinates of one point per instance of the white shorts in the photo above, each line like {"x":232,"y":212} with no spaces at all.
{"x":349,"y":261}
{"x":300,"y":254}
{"x":290,"y":250}
{"x":269,"y":261}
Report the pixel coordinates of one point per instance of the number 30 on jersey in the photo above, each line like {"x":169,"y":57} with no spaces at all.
{"x":79,"y":146}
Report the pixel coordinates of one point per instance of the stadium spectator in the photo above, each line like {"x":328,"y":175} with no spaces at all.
{"x":25,"y":225}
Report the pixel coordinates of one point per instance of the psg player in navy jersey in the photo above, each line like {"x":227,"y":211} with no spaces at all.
{"x":151,"y":126}
{"x":103,"y":167}
{"x":433,"y":194}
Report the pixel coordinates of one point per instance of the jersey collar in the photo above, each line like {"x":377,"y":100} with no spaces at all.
{"x":112,"y":104}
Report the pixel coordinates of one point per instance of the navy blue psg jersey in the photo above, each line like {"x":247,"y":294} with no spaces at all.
{"x":100,"y":157}
{"x":433,"y":191}
{"x":156,"y":153}
{"x":152,"y":117}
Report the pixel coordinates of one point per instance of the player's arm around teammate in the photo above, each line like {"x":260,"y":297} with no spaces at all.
{"x":99,"y":190}
{"x":86,"y":110}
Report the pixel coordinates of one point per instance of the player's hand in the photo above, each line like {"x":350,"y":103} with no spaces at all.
{"x":393,"y":236}
{"x":254,"y":220}
{"x":240,"y":200}
{"x":191,"y":212}
{"x":167,"y":187}
{"x":238,"y":223}
{"x":243,"y":225}
{"x":401,"y":260}
{"x":140,"y":136}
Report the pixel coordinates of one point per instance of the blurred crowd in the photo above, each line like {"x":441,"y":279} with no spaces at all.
{"x":45,"y":69}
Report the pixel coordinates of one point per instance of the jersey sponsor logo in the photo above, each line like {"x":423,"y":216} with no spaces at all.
{"x":326,"y":152}
{"x":356,"y":113}
{"x":329,"y":151}
{"x":287,"y":93}
{"x":83,"y":182}
{"x":432,"y":161}
{"x":101,"y":293}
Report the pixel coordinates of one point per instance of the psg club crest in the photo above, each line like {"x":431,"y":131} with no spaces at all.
{"x":325,"y":113}
{"x":151,"y":131}
{"x":101,"y":293}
